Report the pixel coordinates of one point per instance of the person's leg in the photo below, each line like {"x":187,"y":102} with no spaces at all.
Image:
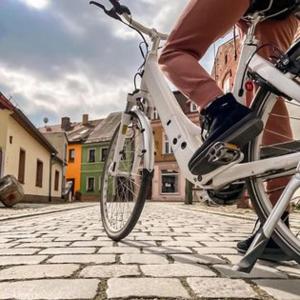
{"x":201,"y":23}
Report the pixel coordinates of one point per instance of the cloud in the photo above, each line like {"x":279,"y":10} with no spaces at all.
{"x":66,"y":57}
{"x":37,"y":4}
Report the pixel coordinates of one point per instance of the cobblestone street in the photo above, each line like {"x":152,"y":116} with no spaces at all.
{"x":175,"y":252}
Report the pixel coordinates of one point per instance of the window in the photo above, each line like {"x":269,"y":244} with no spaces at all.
{"x":104,"y":153}
{"x":226,"y":59}
{"x":92,"y":155}
{"x":56,"y":181}
{"x":21,"y":172}
{"x":90,"y":184}
{"x":227,"y":87}
{"x":167,"y":149}
{"x":155,"y":114}
{"x":39,"y":174}
{"x":193,"y":107}
{"x":169,"y":182}
{"x":71,"y":155}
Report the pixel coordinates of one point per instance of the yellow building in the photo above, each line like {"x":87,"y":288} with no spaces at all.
{"x":28,"y":155}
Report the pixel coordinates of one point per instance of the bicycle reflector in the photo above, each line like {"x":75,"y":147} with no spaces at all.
{"x":249,"y":85}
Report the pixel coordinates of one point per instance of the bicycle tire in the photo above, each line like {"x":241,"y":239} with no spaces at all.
{"x":282,"y":235}
{"x":146,"y":177}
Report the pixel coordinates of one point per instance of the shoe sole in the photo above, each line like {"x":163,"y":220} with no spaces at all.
{"x":240,"y":134}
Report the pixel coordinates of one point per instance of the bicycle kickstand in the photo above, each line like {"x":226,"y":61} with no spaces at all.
{"x":259,"y":243}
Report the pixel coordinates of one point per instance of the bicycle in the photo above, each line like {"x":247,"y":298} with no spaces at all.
{"x":129,"y":166}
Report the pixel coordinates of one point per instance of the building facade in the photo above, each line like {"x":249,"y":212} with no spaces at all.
{"x":28,"y":155}
{"x":94,"y":153}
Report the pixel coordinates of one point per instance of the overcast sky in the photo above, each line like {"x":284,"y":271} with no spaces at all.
{"x":64,"y":58}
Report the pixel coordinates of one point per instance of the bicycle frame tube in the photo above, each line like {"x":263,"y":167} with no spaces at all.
{"x":184,"y":135}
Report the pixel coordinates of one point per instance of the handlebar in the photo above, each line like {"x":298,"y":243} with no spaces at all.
{"x":123,"y":11}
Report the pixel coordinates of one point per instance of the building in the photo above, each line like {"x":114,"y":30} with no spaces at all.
{"x":26,"y":154}
{"x":58,"y":138}
{"x":168,"y":183}
{"x":94,"y":153}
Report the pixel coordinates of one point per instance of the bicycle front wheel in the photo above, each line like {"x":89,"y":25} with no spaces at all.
{"x":124,"y":191}
{"x":281,"y":136}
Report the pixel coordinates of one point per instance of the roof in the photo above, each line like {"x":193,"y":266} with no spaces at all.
{"x":78,"y":132}
{"x":105,"y":130}
{"x":21,"y":118}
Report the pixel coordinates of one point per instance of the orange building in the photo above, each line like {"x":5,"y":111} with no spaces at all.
{"x":73,"y":173}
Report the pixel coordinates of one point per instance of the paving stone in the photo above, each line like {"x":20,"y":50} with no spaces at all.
{"x":221,"y":288}
{"x":54,"y":289}
{"x":220,"y":244}
{"x":21,"y":260}
{"x":291,"y":271}
{"x":180,"y":244}
{"x":44,"y":245}
{"x":38,"y":271}
{"x":167,"y":250}
{"x":92,"y":244}
{"x":153,"y":238}
{"x":143,"y":259}
{"x":67,"y":250}
{"x":73,"y":239}
{"x":177,"y":270}
{"x":197,"y":259}
{"x":20,"y":251}
{"x":257,"y":272}
{"x":109,"y":271}
{"x":145,"y":287}
{"x":194,"y":238}
{"x":281,"y":289}
{"x":83,"y":259}
{"x":119,"y":250}
{"x":210,"y":250}
{"x":130,"y":243}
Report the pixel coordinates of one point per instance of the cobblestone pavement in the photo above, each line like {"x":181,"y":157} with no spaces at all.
{"x":28,"y":209}
{"x":175,"y":252}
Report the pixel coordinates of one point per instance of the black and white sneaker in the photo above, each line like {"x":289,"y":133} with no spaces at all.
{"x":226,"y":121}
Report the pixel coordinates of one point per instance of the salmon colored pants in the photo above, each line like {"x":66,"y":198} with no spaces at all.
{"x":200,"y":25}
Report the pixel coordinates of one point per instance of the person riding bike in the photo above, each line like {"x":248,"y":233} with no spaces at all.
{"x":226,"y":120}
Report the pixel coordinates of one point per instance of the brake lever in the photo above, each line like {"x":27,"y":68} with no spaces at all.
{"x":111,"y":13}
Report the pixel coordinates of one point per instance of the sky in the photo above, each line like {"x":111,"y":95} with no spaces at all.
{"x":65,"y":58}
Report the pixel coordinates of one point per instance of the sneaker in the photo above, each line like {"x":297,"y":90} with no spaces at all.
{"x":272,"y":251}
{"x":228,"y":121}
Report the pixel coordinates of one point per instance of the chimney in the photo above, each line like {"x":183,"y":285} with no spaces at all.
{"x":85,"y":119}
{"x":65,"y":123}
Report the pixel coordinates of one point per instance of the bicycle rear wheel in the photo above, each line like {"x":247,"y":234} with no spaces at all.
{"x":124,"y":192}
{"x":285,"y":137}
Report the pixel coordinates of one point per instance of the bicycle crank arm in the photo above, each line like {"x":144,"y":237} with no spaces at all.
{"x":258,"y":245}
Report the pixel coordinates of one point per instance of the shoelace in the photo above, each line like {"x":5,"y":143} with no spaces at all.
{"x":205,"y":123}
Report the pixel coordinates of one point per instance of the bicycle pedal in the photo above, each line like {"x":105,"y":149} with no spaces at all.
{"x":223,"y":153}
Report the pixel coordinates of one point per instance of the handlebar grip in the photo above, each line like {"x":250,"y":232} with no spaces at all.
{"x":120,"y":9}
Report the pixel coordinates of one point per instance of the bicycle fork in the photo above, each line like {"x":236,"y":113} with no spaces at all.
{"x":259,"y":243}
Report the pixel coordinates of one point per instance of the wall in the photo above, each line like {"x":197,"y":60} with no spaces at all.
{"x":21,"y":139}
{"x":92,"y":170}
{"x":74,"y":168}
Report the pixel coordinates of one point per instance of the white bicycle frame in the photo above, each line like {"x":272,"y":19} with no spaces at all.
{"x":182,"y":133}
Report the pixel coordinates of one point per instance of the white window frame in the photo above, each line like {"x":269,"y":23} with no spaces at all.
{"x":89,"y":152}
{"x":161,"y":184}
{"x":155,"y":114}
{"x":164,"y":144}
{"x":87,"y":184}
{"x":193,"y":107}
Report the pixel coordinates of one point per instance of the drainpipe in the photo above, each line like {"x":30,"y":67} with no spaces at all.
{"x":50,"y":177}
